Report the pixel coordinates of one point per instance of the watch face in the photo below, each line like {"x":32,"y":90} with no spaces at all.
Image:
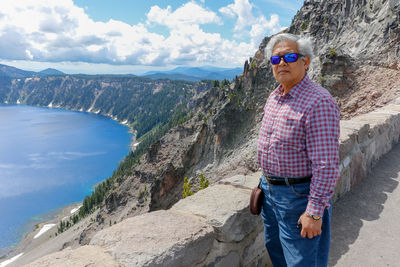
{"x":313,"y":216}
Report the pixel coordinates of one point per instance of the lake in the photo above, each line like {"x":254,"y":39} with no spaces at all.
{"x":50,"y":158}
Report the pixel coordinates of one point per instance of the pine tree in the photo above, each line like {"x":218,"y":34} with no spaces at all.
{"x":203,"y":182}
{"x":186,"y":188}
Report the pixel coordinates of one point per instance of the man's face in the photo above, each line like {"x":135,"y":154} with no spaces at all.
{"x":288,"y":74}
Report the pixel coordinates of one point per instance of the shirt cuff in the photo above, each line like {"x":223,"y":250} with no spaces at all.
{"x":315,"y":209}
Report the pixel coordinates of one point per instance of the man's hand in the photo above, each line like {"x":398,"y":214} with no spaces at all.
{"x":309,"y":226}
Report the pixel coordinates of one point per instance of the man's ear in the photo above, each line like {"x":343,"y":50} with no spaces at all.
{"x":307,"y":62}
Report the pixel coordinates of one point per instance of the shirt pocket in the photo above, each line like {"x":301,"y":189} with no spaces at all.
{"x":290,"y":131}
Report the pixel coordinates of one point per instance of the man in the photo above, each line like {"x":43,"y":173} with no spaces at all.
{"x":298,"y":154}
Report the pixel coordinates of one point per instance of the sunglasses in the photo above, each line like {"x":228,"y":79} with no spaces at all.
{"x":288,"y":58}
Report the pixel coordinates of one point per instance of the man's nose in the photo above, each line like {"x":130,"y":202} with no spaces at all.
{"x":282,"y":62}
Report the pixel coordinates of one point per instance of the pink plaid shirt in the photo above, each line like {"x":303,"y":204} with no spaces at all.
{"x":299,"y":136}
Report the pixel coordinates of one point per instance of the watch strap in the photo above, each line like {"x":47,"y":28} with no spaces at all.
{"x":315,"y":218}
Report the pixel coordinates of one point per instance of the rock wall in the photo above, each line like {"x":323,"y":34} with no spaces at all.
{"x":214,"y":226}
{"x":363,"y":140}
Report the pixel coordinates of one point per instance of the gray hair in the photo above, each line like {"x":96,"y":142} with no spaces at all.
{"x":304,"y":44}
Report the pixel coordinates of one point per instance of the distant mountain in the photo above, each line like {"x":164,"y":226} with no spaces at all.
{"x":173,"y":76}
{"x":196,"y":73}
{"x":12,"y":72}
{"x":51,"y":71}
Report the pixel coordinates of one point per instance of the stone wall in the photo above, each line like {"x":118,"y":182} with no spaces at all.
{"x":214,"y":226}
{"x":363,"y":140}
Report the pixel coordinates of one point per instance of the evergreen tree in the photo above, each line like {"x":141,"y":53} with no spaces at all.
{"x":186,"y":188}
{"x":203,"y":182}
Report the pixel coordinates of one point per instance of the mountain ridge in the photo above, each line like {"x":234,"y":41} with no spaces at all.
{"x":196,"y":73}
{"x":172,"y":76}
{"x":193,"y":74}
{"x":13,"y":72}
{"x":51,"y":71}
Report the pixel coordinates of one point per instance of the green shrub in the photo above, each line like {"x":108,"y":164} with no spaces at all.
{"x":203,"y":182}
{"x":253,"y":65}
{"x":186,"y":188}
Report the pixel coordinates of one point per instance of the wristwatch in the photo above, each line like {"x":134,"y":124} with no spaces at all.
{"x":315,"y":218}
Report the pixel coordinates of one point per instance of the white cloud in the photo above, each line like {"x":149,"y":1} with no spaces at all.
{"x":247,"y":25}
{"x":188,"y":14}
{"x":59,"y":31}
{"x":242,"y":10}
{"x":262,"y":26}
{"x":188,"y":43}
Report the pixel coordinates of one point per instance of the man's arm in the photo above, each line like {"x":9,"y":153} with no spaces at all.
{"x":322,"y":143}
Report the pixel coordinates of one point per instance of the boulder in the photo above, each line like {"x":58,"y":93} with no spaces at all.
{"x":160,"y":238}
{"x":225,"y":208}
{"x":83,"y":256}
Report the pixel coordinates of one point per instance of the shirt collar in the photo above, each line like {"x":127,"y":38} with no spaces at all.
{"x":295,"y":92}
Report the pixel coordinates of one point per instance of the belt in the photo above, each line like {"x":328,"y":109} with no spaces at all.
{"x":277,"y":180}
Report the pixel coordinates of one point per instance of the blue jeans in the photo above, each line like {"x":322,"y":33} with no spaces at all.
{"x":281,"y":210}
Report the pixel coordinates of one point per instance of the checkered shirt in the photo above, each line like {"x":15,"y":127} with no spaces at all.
{"x":299,"y":136}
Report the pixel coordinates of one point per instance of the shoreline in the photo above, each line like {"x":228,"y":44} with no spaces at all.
{"x":32,"y":225}
{"x":41,"y":233}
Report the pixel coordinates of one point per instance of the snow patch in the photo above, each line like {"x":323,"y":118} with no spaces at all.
{"x":75,"y":209}
{"x":4,"y":263}
{"x":44,"y":229}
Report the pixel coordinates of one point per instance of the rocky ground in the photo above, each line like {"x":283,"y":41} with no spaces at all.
{"x":374,"y":87}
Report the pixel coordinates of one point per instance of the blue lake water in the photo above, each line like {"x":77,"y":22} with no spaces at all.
{"x":50,"y":158}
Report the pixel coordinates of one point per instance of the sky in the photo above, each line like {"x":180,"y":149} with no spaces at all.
{"x":135,"y":36}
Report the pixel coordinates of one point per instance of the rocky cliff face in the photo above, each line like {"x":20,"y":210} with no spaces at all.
{"x":350,"y":37}
{"x":361,"y":29}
